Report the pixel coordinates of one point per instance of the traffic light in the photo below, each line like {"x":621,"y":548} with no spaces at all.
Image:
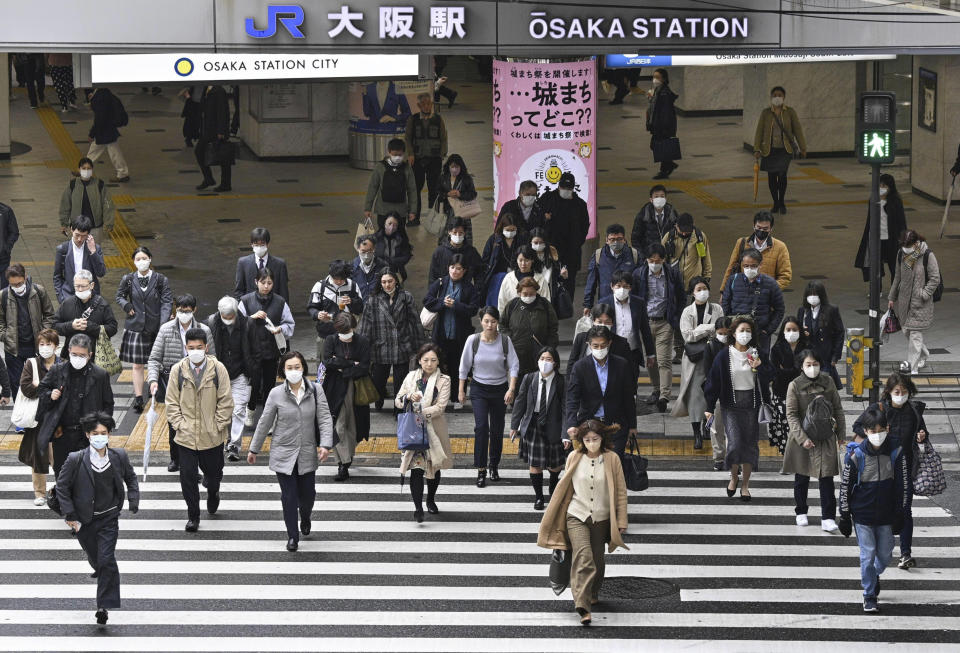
{"x":876,"y":127}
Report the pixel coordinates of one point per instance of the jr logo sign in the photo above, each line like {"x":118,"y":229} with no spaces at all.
{"x":291,"y":16}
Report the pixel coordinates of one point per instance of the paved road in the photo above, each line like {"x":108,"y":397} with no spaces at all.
{"x":703,"y":572}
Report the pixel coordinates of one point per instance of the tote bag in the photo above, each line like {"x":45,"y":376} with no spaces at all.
{"x":635,"y":468}
{"x":24,"y":408}
{"x":106,"y":355}
{"x":411,"y":430}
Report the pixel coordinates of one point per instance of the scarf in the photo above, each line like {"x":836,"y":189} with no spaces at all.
{"x":449,"y":316}
{"x":911,"y":259}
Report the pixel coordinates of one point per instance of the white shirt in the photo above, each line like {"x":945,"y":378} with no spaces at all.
{"x":99,"y":462}
{"x":625,"y":322}
{"x":183,"y":333}
{"x":541,"y":387}
{"x":590,"y":495}
{"x":814,"y":312}
{"x":301,"y":391}
{"x":77,"y":258}
{"x":259,"y":260}
{"x":761,"y":246}
{"x":884,"y":229}
{"x":740,"y":370}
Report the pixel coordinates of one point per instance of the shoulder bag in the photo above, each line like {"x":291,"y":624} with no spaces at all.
{"x":106,"y":355}
{"x":364,"y":391}
{"x":24,"y":408}
{"x":635,"y":467}
{"x":411,"y":430}
{"x":794,"y":144}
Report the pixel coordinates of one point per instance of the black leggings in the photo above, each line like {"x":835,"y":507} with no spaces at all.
{"x":777,"y":181}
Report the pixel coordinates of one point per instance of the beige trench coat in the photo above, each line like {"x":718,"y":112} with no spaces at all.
{"x":440,"y":454}
{"x":821,"y":461}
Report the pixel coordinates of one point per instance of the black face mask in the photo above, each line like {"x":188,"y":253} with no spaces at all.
{"x":761,"y":235}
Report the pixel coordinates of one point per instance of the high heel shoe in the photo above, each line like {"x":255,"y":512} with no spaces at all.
{"x":745,"y":497}
{"x":732,"y":492}
{"x":418,"y":515}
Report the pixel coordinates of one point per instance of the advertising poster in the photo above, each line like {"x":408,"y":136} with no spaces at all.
{"x":384,"y":107}
{"x":544,"y":124}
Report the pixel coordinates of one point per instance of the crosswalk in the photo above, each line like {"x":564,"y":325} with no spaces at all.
{"x":703,"y":572}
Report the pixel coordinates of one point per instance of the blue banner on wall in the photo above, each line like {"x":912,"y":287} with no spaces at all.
{"x":637,"y":60}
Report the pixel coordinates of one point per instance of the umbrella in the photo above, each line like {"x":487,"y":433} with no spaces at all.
{"x":151,"y":420}
{"x":946,"y":209}
{"x":756,"y":179}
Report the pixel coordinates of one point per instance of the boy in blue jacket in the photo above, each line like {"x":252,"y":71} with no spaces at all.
{"x":874,"y":498}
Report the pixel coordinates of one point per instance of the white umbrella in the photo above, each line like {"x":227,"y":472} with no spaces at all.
{"x":151,"y":420}
{"x":946,"y":209}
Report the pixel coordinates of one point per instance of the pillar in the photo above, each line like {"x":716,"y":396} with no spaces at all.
{"x":708,"y":90}
{"x":295,"y":119}
{"x":934,"y":152}
{"x":5,"y":106}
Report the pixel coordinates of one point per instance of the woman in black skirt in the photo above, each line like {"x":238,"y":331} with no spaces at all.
{"x":538,"y":418}
{"x":147,"y":301}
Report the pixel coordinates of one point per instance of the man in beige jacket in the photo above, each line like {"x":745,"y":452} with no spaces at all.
{"x":200,"y":408}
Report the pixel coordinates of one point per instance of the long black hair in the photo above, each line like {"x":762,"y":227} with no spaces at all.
{"x":455,"y":158}
{"x":891,"y":184}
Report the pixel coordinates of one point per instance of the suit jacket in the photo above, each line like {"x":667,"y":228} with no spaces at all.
{"x":618,"y":347}
{"x":76,"y":486}
{"x":215,"y":113}
{"x":584,"y":396}
{"x":526,"y":405}
{"x":97,"y":396}
{"x":247,"y":273}
{"x":152,"y":305}
{"x":641,"y":325}
{"x":64,"y":270}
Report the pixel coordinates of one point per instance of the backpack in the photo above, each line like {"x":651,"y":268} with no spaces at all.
{"x":393,"y":187}
{"x":938,"y":291}
{"x":503,"y":341}
{"x":701,"y":248}
{"x":633,"y":250}
{"x":120,"y":117}
{"x":216,"y":380}
{"x":818,"y":422}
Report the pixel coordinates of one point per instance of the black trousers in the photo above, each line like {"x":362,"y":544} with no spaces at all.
{"x":297,"y":494}
{"x":426,"y":170}
{"x":35,"y":81}
{"x":828,"y":498}
{"x":452,"y":351}
{"x":262,"y":386}
{"x":489,"y":415}
{"x":225,"y":171}
{"x":174,"y":447}
{"x":98,"y":539}
{"x":210,"y":462}
{"x":72,"y":440}
{"x":379,"y":373}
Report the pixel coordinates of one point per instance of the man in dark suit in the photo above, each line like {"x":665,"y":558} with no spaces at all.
{"x":600,"y":388}
{"x":248,"y":266}
{"x":81,"y":252}
{"x":214,"y":129}
{"x":630,"y":319}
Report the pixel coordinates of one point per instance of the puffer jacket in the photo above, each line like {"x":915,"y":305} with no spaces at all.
{"x":168,"y":349}
{"x":201,"y":415}
{"x":912,"y":291}
{"x":874,"y":486}
{"x":761,"y":298}
{"x":599,"y":274}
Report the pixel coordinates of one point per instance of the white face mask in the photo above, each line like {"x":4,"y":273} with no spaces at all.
{"x":293,"y":376}
{"x":791,"y":336}
{"x":722,"y":338}
{"x":260,"y":250}
{"x":899,"y":400}
{"x":776,"y":101}
{"x":907,"y":250}
{"x":621,"y":294}
{"x":743,"y":338}
{"x":365,"y":257}
{"x":528,"y":200}
{"x":546,"y":367}
{"x":566,"y":193}
{"x":509,"y":233}
{"x":527,"y":300}
{"x":813,"y":300}
{"x":19,"y":290}
{"x":78,"y":362}
{"x":601,"y":324}
{"x":456,"y":239}
{"x":657,"y":82}
{"x":228,"y":322}
{"x":702,"y":296}
{"x":184,"y":318}
{"x":46,"y":351}
{"x":877,"y":439}
{"x":196,"y":356}
{"x":396,"y":159}
{"x":812,"y":371}
{"x":99,"y":441}
{"x":142,"y":265}
{"x":600,"y":354}
{"x":659,"y":202}
{"x":539,"y":247}
{"x":655,"y":267}
{"x":593,"y":446}
{"x":86,"y":175}
{"x":345,"y":337}
{"x":751,"y":273}
{"x":883,"y":191}
{"x":83,"y":295}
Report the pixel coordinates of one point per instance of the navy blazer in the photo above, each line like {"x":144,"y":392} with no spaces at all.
{"x":641,"y":324}
{"x":676,"y":295}
{"x":247,"y":273}
{"x":584,"y":396}
{"x":526,"y":405}
{"x":63,"y":269}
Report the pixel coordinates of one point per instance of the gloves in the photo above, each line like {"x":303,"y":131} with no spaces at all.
{"x":898,"y":524}
{"x":846,"y":526}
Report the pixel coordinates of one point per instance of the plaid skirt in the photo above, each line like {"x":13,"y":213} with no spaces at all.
{"x":135,"y":348}
{"x":538,"y":452}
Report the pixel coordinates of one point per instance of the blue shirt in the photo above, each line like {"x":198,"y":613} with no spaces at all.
{"x":602,"y":378}
{"x":657,"y":295}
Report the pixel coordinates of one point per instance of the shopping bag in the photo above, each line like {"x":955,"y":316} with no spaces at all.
{"x":433,"y":219}
{"x":106,"y":355}
{"x":559,"y":570}
{"x":364,"y":228}
{"x":465,"y":210}
{"x":930,"y":479}
{"x":583,"y":325}
{"x":411,"y":430}
{"x":24,"y":408}
{"x":364,"y":391}
{"x":635,"y":467}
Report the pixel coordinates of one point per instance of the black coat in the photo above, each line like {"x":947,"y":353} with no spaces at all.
{"x":646,"y":231}
{"x":827,"y":334}
{"x":344,"y":361}
{"x":536,"y":218}
{"x":567,"y":227}
{"x":104,"y":129}
{"x":440,"y":261}
{"x":903,"y":424}
{"x":76,"y":486}
{"x":215,"y":114}
{"x":250,"y":343}
{"x":662,"y":116}
{"x":9,"y":233}
{"x":499,"y":256}
{"x":584,"y":396}
{"x":395,"y":249}
{"x":247,"y":274}
{"x":526,"y":405}
{"x":718,"y":386}
{"x":896,"y":225}
{"x":463,"y":310}
{"x":71,"y":309}
{"x":783,"y":361}
{"x":97,"y":396}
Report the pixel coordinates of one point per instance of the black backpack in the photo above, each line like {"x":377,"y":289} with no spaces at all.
{"x":120,"y":117}
{"x":818,"y":422}
{"x":393,"y":188}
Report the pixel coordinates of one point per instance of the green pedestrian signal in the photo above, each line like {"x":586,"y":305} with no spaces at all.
{"x":876,"y":146}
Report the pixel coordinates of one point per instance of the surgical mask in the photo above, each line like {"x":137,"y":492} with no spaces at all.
{"x":657,"y":82}
{"x":389,"y":229}
{"x":566,"y":193}
{"x":509,"y":233}
{"x":78,"y":362}
{"x":743,"y":338}
{"x":228,"y":322}
{"x":899,"y":400}
{"x":751,"y":273}
{"x":593,"y":446}
{"x":776,"y":101}
{"x":454,"y":171}
{"x":345,"y":337}
{"x":19,"y":290}
{"x":722,"y":338}
{"x":701,"y":295}
{"x":812,"y":371}
{"x":184,"y":318}
{"x":617,"y":247}
{"x":907,"y":250}
{"x":196,"y":356}
{"x":600,"y":354}
{"x":366,"y":257}
{"x":396,"y":159}
{"x":791,"y":336}
{"x":293,"y":376}
{"x":83,"y":295}
{"x":528,"y":200}
{"x":760,"y":235}
{"x":527,"y":299}
{"x":99,"y":440}
{"x":655,"y":267}
{"x":601,"y":324}
{"x":46,"y":351}
{"x":813,"y":300}
{"x":659,"y":202}
{"x":621,"y":293}
{"x":456,"y":239}
{"x":883,"y":191}
{"x":877,"y":439}
{"x":546,"y":367}
{"x":260,"y":250}
{"x":539,"y":247}
{"x":142,"y":265}
{"x":86,"y":175}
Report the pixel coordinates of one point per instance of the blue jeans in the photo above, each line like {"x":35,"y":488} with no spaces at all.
{"x":489,"y":415}
{"x":876,"y":550}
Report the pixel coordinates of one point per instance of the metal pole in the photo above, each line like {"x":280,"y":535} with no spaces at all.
{"x":875,"y":285}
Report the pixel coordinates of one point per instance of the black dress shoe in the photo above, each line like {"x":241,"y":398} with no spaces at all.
{"x":698,"y":441}
{"x":343,"y":473}
{"x":418,"y":515}
{"x":102,"y":615}
{"x":661,"y":175}
{"x":213,"y":502}
{"x":207,"y":183}
{"x":662,"y":405}
{"x":745,"y":497}
{"x":783,"y":209}
{"x":432,"y":507}
{"x":137,"y":404}
{"x":291,"y":545}
{"x":223,"y":189}
{"x":172,"y":466}
{"x":718,"y":466}
{"x":192,"y":526}
{"x":538,"y":504}
{"x":654,"y":397}
{"x":305,"y":526}
{"x":494,"y":474}
{"x":481,"y":478}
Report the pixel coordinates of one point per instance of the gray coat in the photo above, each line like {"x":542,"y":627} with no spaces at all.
{"x":690,"y":401}
{"x":821,"y":461}
{"x":912,"y":291}
{"x":168,"y":349}
{"x":295,"y":428}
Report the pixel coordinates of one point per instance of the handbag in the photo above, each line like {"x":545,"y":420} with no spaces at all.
{"x":892,"y":323}
{"x":106,"y":356}
{"x":219,"y":153}
{"x":364,"y":392}
{"x":930,"y":479}
{"x":24,"y":408}
{"x":364,"y":228}
{"x":695,"y":351}
{"x":466,"y":210}
{"x":562,"y":303}
{"x":766,"y":414}
{"x":427,"y":318}
{"x":433,"y":219}
{"x":411,"y":430}
{"x":666,"y":149}
{"x":635,"y":467}
{"x":560,"y":570}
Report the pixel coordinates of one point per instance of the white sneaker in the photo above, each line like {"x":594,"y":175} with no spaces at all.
{"x":905,"y":367}
{"x":39,"y":501}
{"x":802,"y":520}
{"x":829,"y":525}
{"x":248,"y":419}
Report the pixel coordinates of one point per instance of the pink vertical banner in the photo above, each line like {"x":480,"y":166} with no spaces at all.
{"x":545,"y":124}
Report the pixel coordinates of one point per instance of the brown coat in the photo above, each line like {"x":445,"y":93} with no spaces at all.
{"x":764,"y":132}
{"x":553,"y":526}
{"x":775,"y":263}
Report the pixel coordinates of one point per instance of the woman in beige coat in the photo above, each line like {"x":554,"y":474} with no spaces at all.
{"x":776,"y":141}
{"x":583,"y":515}
{"x":805,"y":457}
{"x":911,"y":295}
{"x":429,"y":391}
